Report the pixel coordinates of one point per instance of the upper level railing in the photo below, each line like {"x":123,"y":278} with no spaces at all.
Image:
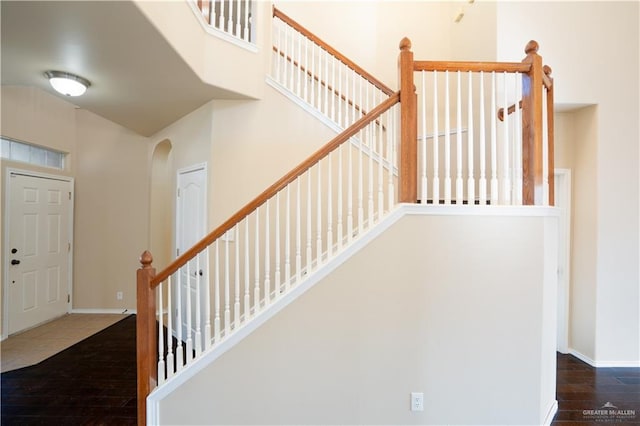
{"x":469,"y":151}
{"x":325,"y":203}
{"x":320,"y":75}
{"x":231,"y":17}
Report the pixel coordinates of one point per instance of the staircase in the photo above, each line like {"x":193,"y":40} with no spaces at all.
{"x":490,"y":143}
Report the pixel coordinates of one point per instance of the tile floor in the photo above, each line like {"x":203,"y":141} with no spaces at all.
{"x":37,"y":344}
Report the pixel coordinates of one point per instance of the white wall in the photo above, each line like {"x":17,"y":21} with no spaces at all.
{"x":596,"y":61}
{"x":440,"y":316}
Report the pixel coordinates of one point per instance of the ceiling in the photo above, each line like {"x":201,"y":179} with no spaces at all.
{"x":137,"y":79}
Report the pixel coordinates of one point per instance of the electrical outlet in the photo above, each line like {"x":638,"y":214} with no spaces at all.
{"x":417,"y":401}
{"x":119,"y":295}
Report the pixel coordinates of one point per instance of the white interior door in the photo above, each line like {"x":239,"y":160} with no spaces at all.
{"x":38,"y":255}
{"x":191,"y":214}
{"x":562,"y":179}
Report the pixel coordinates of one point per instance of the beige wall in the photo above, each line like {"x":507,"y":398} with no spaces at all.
{"x":606,"y":156}
{"x":444,"y":309}
{"x":110,"y":167}
{"x":209,"y":56}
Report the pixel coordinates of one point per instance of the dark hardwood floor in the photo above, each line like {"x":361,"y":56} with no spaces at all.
{"x":589,"y":396}
{"x":94,"y":383}
{"x":90,"y":383}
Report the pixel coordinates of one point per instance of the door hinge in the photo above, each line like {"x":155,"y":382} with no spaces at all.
{"x":177,"y":252}
{"x":69,"y":247}
{"x":69,"y":195}
{"x":68,"y":298}
{"x":178,"y":192}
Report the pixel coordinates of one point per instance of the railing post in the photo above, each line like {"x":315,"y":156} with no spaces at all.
{"x":146,"y":335}
{"x":532,"y":185}
{"x":550,"y":136}
{"x":408,"y":150}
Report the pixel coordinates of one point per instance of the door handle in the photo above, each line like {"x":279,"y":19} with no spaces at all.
{"x":15,"y":262}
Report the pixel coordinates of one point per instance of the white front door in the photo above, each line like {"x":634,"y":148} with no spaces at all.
{"x":191,"y":214}
{"x":38,"y":255}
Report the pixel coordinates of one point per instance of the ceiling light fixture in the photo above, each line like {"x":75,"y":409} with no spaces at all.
{"x":66,"y":83}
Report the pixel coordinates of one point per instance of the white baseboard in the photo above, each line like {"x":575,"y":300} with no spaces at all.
{"x":551,"y":413}
{"x":600,"y":364}
{"x":103,"y":311}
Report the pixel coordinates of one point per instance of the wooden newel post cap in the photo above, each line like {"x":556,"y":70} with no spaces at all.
{"x":405,"y":44}
{"x":546,"y":69}
{"x":146,"y":259}
{"x":531,"y":47}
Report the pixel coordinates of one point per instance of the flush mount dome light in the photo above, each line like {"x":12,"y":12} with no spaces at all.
{"x":66,"y":83}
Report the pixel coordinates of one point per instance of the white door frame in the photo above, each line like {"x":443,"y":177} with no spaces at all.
{"x":563,"y":194}
{"x":6,"y":260}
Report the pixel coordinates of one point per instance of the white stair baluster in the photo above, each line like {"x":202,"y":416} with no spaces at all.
{"x":237,"y":19}
{"x":329,"y":207}
{"x":341,"y":121}
{"x":207,"y":302}
{"x":333,"y":89}
{"x":222,"y":17}
{"x":179,"y":322}
{"x":494,"y":148}
{"x":298,"y":233}
{"x":300,"y":72}
{"x":198,"y":317}
{"x":217,"y":326}
{"x":245,"y":29}
{"x":436,"y":142}
{"x":327,"y":90}
{"x":278,"y":60}
{"x":267,"y":255}
{"x":319,"y":217}
{"x":390,"y":148}
{"x":423,"y":147}
{"x":340,"y":230}
{"x":247,"y":273}
{"x":277,"y":277}
{"x":304,"y":75}
{"x":161,"y":365}
{"x":189,"y":342}
{"x":236,"y":279}
{"x":291,"y":62}
{"x":350,"y":192}
{"x":309,"y":257}
{"x":380,"y":149}
{"x":471,"y":185}
{"x":482,"y":181}
{"x":360,"y":182}
{"x":256,"y":287}
{"x":230,"y":18}
{"x":447,"y":141}
{"x":227,"y":290}
{"x":370,"y":141}
{"x":506,"y":178}
{"x":170,"y":357}
{"x":459,"y":187}
{"x":287,"y":241}
{"x":312,"y":73}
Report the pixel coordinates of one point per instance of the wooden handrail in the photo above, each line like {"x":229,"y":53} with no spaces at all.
{"x":277,"y":13}
{"x":273,"y":189}
{"x":510,"y":110}
{"x":471,"y":66}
